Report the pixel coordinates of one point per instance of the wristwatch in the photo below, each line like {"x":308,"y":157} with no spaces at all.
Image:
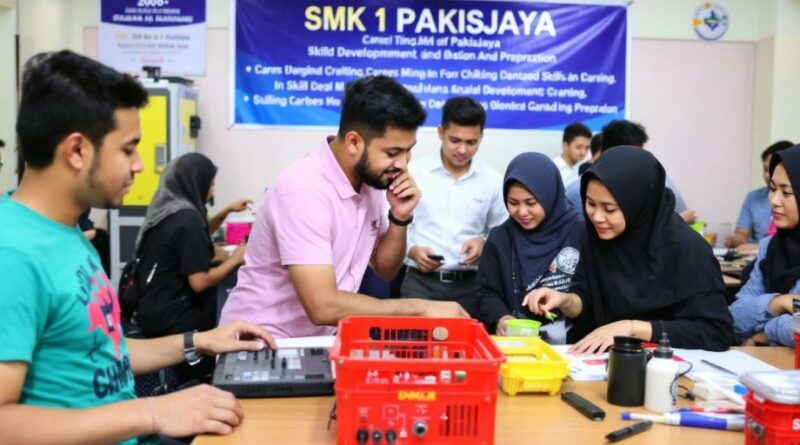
{"x":189,"y":351}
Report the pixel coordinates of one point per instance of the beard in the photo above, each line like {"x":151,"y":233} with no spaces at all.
{"x":371,"y":179}
{"x":96,"y":188}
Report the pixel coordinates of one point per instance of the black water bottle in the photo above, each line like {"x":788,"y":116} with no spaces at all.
{"x":627,"y":367}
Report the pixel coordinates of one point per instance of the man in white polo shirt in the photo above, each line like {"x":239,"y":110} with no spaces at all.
{"x":463,"y":200}
{"x":574,"y":146}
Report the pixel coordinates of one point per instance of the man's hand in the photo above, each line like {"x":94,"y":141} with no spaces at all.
{"x":197,"y":410}
{"x":236,"y":336}
{"x":471,"y":251}
{"x":443,"y":309}
{"x":420,"y":256}
{"x":735,"y":240}
{"x":403,"y":196}
{"x":501,"y":324}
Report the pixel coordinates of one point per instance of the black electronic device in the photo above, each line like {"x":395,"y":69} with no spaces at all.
{"x":435,"y":257}
{"x":583,"y":406}
{"x":280,"y":373}
{"x":629,"y":431}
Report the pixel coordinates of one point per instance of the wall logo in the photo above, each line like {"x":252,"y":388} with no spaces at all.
{"x":710,"y":21}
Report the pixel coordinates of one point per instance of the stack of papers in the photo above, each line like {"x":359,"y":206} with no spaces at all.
{"x":585,"y":368}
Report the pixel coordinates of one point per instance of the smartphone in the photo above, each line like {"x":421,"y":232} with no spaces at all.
{"x":435,"y":257}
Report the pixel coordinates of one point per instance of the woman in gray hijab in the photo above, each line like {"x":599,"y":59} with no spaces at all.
{"x":175,"y":273}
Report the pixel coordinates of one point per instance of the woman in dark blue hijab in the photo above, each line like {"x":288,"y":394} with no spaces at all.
{"x":538,"y":246}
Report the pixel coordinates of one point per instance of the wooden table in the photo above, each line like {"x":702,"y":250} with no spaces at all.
{"x":525,"y":418}
{"x":731,"y":281}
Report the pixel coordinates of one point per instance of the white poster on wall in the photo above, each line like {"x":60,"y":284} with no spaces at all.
{"x":170,"y":34}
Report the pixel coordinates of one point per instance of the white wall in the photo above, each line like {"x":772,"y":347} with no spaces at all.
{"x":688,"y":96}
{"x":8,"y":97}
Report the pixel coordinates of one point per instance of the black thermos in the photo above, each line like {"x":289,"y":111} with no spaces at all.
{"x":627,"y":365}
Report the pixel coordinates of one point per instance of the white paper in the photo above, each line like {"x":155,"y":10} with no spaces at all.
{"x":737,"y":362}
{"x":584,"y":368}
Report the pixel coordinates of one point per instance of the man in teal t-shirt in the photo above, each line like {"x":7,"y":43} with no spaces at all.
{"x":66,"y":368}
{"x":67,"y":325}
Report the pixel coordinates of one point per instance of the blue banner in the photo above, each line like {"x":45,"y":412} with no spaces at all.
{"x":532,"y":65}
{"x":166,"y":33}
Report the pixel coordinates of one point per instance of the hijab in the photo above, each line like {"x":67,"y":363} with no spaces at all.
{"x":658,"y":260}
{"x":184,"y":185}
{"x":532,"y":251}
{"x":781,"y":264}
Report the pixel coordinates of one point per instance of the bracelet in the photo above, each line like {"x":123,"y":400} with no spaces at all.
{"x":398,"y":222}
{"x":152,"y":415}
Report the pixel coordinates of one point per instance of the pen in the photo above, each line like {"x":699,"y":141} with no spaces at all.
{"x":629,"y":431}
{"x":717,"y":367}
{"x":731,"y":423}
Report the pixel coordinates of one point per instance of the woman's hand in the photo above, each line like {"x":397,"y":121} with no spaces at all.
{"x":238,"y":254}
{"x":543,"y":300}
{"x":501,"y":325}
{"x":239,"y":205}
{"x":603,"y":337}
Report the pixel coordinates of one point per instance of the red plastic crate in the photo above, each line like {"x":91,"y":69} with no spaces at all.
{"x":768,"y":422}
{"x":424,"y":380}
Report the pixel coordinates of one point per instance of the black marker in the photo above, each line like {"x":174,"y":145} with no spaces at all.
{"x":583,"y":406}
{"x":629,"y":431}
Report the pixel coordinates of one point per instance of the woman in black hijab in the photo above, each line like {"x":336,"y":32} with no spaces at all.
{"x":175,"y":250}
{"x":643,"y":271}
{"x":762,"y":312}
{"x":537,"y":246}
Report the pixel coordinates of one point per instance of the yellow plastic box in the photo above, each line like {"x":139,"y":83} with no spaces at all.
{"x":532,"y":366}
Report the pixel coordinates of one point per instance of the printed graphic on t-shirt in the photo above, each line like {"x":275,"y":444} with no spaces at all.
{"x":559,"y":272}
{"x":374,"y":226}
{"x":110,"y":374}
{"x":104,"y":313}
{"x":567,"y":260}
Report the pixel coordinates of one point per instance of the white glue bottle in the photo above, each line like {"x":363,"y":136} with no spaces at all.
{"x":661,"y":383}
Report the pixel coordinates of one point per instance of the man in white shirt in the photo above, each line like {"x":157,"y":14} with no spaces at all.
{"x":462,"y":199}
{"x":574,"y":147}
